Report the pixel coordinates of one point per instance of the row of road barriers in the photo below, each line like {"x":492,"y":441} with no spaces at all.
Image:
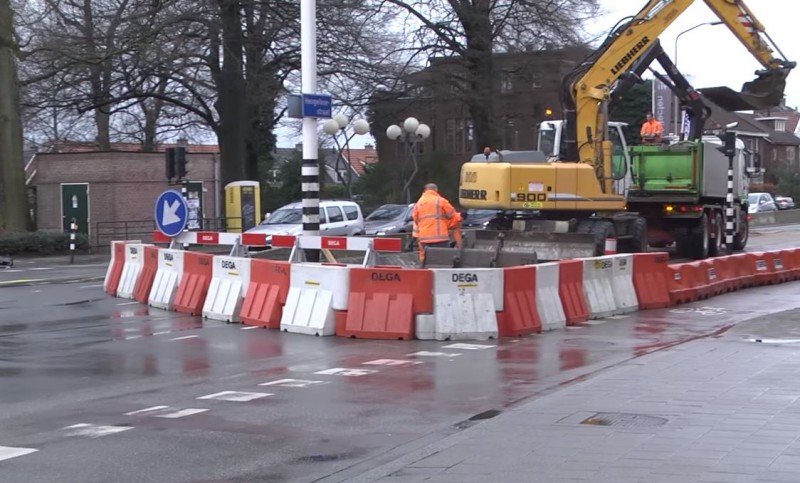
{"x":391,"y":302}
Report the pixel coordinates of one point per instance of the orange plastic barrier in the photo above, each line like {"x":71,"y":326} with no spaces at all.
{"x":193,"y":288}
{"x":683,"y":284}
{"x":793,"y":254}
{"x":115,"y":271}
{"x":761,"y":265}
{"x":520,"y":315}
{"x":743,"y":275}
{"x":725,"y":269}
{"x":650,"y":279}
{"x":713,"y":284}
{"x":266,"y":294}
{"x":141,"y":292}
{"x":782,"y":262}
{"x":570,"y":289}
{"x":383,"y":303}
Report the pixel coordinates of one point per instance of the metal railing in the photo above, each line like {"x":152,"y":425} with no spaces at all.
{"x":104,"y":232}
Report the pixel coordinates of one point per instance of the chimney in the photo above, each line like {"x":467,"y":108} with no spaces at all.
{"x":298,"y":146}
{"x":182,"y":142}
{"x":369,"y":146}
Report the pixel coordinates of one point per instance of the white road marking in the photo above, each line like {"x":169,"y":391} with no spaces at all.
{"x":471,"y":347}
{"x":342,"y":371}
{"x":618,"y":317}
{"x":146,"y":410}
{"x":12,"y":270}
{"x":40,"y":268}
{"x":185,"y":337}
{"x":93,"y":286}
{"x":127,"y":303}
{"x":181,"y":413}
{"x":293,"y":383}
{"x":775,"y":341}
{"x":392,"y":362}
{"x":95,"y":430}
{"x":162,"y":332}
{"x":236,"y":396}
{"x":133,"y":337}
{"x":250,"y":327}
{"x":434,"y":354}
{"x":594,"y":322}
{"x":7,"y":452}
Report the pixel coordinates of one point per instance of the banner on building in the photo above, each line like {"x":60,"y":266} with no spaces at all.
{"x":662,"y":105}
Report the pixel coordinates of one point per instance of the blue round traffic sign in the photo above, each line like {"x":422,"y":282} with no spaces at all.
{"x":172,"y":213}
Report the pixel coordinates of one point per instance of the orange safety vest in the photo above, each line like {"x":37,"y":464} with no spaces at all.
{"x":652,"y":127}
{"x":432,"y":215}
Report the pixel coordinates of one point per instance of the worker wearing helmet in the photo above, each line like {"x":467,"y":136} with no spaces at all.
{"x":432,"y":217}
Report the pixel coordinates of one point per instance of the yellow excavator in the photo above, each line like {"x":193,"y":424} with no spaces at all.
{"x":570,"y":206}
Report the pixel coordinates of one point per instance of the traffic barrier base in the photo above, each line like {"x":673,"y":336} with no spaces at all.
{"x":145,"y":283}
{"x":315,"y":292}
{"x":466,"y":302}
{"x":134,"y":261}
{"x":520,"y":315}
{"x":597,"y":274}
{"x":193,"y":288}
{"x":168,"y":277}
{"x":266,"y":294}
{"x":683,"y":286}
{"x":622,"y":284}
{"x":548,"y":300}
{"x":570,"y":290}
{"x":650,"y":279}
{"x":383,"y":303}
{"x":229,"y":279}
{"x":115,"y":266}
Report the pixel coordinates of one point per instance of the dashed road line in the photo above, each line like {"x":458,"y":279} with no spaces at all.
{"x":146,"y":410}
{"x":343,"y":371}
{"x":94,"y":430}
{"x":181,"y":413}
{"x":8,"y":452}
{"x":185,"y":337}
{"x":293,"y":383}
{"x":250,"y":327}
{"x":434,"y":354}
{"x":392,"y":362}
{"x":469,"y":347}
{"x":236,"y":396}
{"x":127,"y":303}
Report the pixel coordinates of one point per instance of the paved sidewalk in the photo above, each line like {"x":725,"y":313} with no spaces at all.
{"x":718,"y":410}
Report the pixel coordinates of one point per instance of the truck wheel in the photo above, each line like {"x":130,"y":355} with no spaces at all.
{"x":698,"y":239}
{"x":716,"y":245}
{"x":601,"y":230}
{"x":741,"y":236}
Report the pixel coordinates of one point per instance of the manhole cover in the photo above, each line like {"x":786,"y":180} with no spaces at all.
{"x":624,"y":420}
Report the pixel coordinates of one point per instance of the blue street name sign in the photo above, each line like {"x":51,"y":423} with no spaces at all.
{"x":172,"y":214}
{"x":317,"y":105}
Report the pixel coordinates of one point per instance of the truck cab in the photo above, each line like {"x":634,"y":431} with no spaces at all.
{"x":551,"y":139}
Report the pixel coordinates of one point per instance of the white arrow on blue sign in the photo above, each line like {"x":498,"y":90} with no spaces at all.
{"x":172,"y":213}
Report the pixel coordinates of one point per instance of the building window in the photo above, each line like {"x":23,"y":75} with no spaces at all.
{"x":506,"y":81}
{"x":780,"y":125}
{"x":459,"y":136}
{"x":272,"y":176}
{"x":343,"y":174}
{"x":510,"y":133}
{"x":790,"y":150}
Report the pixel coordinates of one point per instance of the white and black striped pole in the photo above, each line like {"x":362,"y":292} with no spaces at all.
{"x":729,"y":149}
{"x":309,"y":176}
{"x":73,"y":228}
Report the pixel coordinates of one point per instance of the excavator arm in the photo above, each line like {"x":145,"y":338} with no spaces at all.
{"x":588,"y":88}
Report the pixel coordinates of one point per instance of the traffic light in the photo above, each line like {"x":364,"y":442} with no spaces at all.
{"x":169,"y":161}
{"x":180,"y":161}
{"x":728,"y":147}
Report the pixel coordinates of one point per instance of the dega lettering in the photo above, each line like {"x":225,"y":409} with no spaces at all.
{"x":334,"y":242}
{"x":133,"y":250}
{"x":465,"y":277}
{"x":385,"y":277}
{"x":168,"y":257}
{"x":228,"y":265}
{"x":631,"y":53}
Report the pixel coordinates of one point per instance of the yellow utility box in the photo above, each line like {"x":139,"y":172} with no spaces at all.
{"x":242,"y":205}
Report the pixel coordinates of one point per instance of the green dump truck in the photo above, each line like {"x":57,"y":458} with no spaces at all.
{"x":681,"y":189}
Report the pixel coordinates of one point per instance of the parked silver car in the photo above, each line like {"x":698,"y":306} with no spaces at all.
{"x":760,"y":203}
{"x":784,"y":202}
{"x":336,"y":218}
{"x":389,"y":219}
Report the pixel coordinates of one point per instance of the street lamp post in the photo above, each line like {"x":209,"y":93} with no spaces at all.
{"x":337,"y":128}
{"x":677,"y":111}
{"x":410,"y":136}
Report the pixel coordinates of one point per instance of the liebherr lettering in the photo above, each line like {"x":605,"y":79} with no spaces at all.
{"x":629,"y":56}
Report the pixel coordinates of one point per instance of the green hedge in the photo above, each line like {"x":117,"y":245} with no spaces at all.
{"x":42,"y":242}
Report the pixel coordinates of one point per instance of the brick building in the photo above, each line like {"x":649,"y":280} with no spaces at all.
{"x":526,"y":85}
{"x":112,"y":193}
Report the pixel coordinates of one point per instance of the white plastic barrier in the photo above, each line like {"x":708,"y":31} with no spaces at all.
{"x":548,"y":300}
{"x":622,"y":284}
{"x":315,"y":291}
{"x":465,"y":304}
{"x":230,"y":277}
{"x":134,"y":261}
{"x":597,"y":274}
{"x":168,"y":277}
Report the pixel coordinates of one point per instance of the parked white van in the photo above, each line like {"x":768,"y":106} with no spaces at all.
{"x":336,"y":218}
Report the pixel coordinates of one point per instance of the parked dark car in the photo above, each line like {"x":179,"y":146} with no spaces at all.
{"x":389,"y":219}
{"x":477,"y":218}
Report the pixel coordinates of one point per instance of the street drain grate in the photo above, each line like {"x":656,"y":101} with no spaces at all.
{"x":625,"y":420}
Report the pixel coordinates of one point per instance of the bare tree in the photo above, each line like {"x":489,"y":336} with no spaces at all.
{"x":473,"y":30}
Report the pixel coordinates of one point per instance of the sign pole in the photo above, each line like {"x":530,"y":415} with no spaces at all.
{"x":309,"y":178}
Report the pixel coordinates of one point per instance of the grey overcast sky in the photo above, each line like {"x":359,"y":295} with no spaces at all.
{"x":711,"y":55}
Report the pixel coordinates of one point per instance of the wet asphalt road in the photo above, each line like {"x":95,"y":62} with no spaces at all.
{"x":108,"y":390}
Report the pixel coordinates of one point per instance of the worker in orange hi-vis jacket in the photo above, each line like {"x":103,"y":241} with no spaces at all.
{"x":652,"y":130}
{"x":455,"y":229}
{"x":432,"y":217}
